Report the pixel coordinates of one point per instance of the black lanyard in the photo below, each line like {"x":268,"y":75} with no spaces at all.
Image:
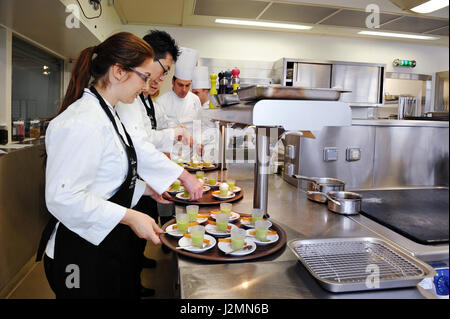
{"x":131,"y":153}
{"x":150,"y":109}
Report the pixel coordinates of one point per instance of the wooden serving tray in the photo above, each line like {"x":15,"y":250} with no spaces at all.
{"x":215,"y":254}
{"x":208,"y":199}
{"x":213,"y":167}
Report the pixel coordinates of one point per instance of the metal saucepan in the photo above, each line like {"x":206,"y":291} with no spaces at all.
{"x":318,"y":185}
{"x":345,"y":203}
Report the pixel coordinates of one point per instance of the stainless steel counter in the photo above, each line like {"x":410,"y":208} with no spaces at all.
{"x":279,"y":275}
{"x":402,"y":123}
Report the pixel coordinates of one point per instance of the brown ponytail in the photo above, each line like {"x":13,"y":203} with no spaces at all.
{"x":124,"y":48}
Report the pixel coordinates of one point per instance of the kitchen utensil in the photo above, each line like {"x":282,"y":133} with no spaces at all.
{"x":318,"y":185}
{"x":213,"y":91}
{"x":356,"y":264}
{"x":345,"y":203}
{"x":258,"y":92}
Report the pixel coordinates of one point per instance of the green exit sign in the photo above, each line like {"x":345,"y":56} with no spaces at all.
{"x":407,"y":63}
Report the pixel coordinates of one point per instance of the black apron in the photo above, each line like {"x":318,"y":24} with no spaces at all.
{"x":150,"y":109}
{"x":109,"y":270}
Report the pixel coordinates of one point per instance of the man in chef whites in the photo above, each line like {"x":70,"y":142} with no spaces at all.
{"x":201,"y":85}
{"x":180,"y":105}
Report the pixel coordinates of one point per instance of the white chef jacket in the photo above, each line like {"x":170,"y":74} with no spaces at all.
{"x":86,"y":165}
{"x":178,"y":110}
{"x":185,"y":111}
{"x":134,"y":117}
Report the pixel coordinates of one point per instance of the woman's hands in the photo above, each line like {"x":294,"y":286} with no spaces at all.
{"x":159,"y":198}
{"x":142,"y":225}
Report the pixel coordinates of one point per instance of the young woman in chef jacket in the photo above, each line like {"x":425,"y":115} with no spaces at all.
{"x":91,"y":177}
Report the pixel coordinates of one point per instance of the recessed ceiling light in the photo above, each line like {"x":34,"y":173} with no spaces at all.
{"x":398,"y":35}
{"x":430,"y":6}
{"x":264,"y":24}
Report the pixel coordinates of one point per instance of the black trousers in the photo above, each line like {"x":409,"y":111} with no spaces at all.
{"x":148,"y":206}
{"x":48,"y":267}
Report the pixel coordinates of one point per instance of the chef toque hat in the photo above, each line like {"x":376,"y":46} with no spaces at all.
{"x":184,"y":67}
{"x":200,"y":78}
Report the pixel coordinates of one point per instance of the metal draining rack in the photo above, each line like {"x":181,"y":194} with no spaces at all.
{"x":344,"y":264}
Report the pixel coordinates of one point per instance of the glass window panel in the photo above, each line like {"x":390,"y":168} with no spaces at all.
{"x":36,"y":82}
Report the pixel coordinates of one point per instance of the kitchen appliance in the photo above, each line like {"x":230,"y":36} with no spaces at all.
{"x":418,"y":214}
{"x":358,"y":264}
{"x":364,"y":80}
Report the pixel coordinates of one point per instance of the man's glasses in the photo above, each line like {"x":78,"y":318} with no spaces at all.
{"x":143,"y":76}
{"x":166,"y":72}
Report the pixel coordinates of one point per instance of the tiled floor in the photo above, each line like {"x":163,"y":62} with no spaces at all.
{"x":162,"y":278}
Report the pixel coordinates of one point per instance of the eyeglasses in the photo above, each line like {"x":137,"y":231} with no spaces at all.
{"x":143,"y":76}
{"x":166,"y":72}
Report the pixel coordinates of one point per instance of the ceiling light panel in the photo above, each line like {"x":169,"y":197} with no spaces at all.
{"x":245,"y":9}
{"x":264,"y":24}
{"x":430,"y":6}
{"x":398,"y":35}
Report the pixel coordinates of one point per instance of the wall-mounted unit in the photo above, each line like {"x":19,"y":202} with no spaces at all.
{"x":365,"y":80}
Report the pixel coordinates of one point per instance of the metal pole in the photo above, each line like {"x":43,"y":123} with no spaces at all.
{"x":262,"y":169}
{"x":223,"y":145}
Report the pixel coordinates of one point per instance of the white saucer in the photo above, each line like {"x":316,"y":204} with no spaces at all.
{"x":206,"y":188}
{"x":248,"y":223}
{"x":184,"y":241}
{"x":212,"y":229}
{"x":198,"y":168}
{"x":172,"y":192}
{"x":215,"y":186}
{"x":174,"y":232}
{"x":226,"y":247}
{"x":234,"y":217}
{"x":216,"y":194}
{"x":271,"y":238}
{"x":202,"y":220}
{"x":181,"y":196}
{"x":236,"y":189}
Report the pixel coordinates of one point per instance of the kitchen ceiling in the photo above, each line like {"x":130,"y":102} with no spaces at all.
{"x":338,"y":17}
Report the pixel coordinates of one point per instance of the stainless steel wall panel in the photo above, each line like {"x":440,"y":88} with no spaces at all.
{"x":393,"y":154}
{"x":356,"y":174}
{"x":411,"y":156}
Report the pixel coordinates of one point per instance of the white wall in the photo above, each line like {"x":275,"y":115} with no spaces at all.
{"x":270,"y":46}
